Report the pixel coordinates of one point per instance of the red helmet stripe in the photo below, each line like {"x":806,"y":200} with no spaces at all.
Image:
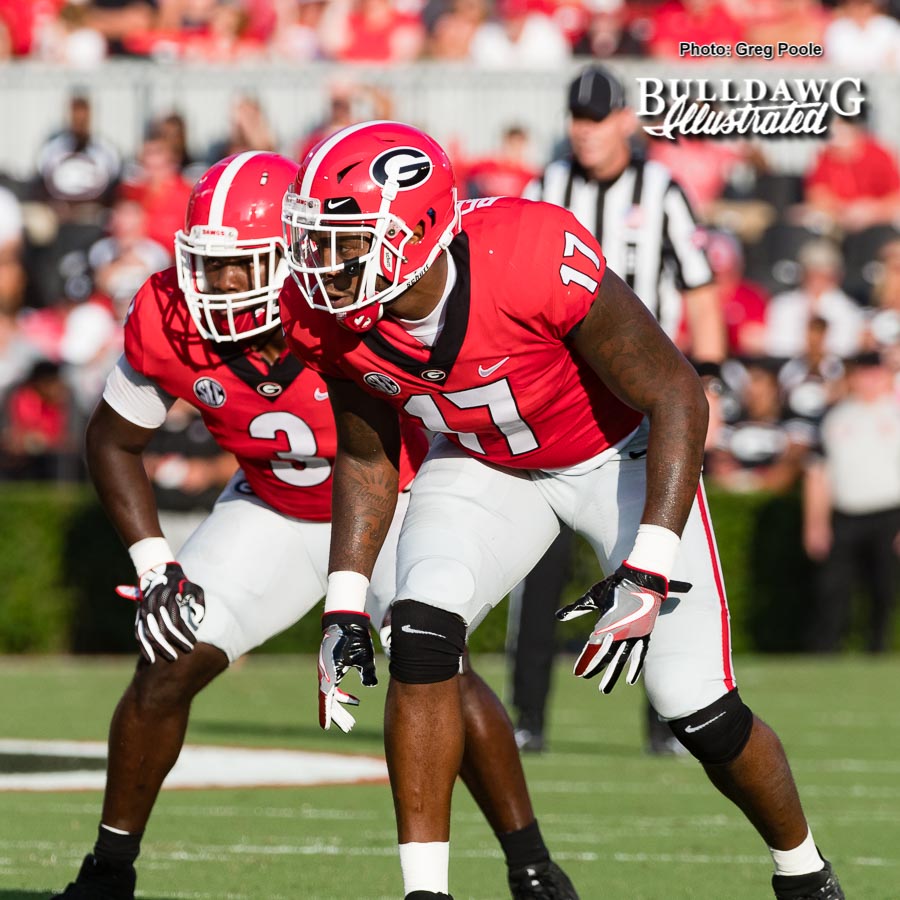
{"x":223,"y":186}
{"x":324,"y":149}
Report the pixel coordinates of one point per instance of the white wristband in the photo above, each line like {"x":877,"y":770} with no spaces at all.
{"x":150,"y":552}
{"x":655,"y":549}
{"x":346,"y":591}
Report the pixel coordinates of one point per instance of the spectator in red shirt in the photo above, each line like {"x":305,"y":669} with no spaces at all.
{"x":158,"y":187}
{"x":37,"y":424}
{"x":504,"y":174}
{"x":794,"y":21}
{"x":16,"y":27}
{"x":371,"y":31}
{"x":743,"y":302}
{"x":226,"y":37}
{"x":700,"y":21}
{"x":855,"y":182}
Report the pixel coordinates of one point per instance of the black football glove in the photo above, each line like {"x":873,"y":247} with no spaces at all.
{"x":628,"y":603}
{"x":170,"y":610}
{"x":346,"y":644}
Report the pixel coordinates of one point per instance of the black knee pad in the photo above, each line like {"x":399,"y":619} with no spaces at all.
{"x":426,"y":643}
{"x":718,"y":733}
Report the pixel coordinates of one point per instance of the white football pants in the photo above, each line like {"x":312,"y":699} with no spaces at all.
{"x":262,"y":571}
{"x":474,"y":530}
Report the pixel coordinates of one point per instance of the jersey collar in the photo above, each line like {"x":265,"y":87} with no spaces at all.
{"x":437,"y":366}
{"x":282,"y":373}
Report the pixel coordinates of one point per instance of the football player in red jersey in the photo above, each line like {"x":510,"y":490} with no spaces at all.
{"x":208,"y":331}
{"x":497,"y":323}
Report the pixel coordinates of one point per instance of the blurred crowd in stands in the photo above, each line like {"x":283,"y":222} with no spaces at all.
{"x":860,"y":34}
{"x":807,"y":269}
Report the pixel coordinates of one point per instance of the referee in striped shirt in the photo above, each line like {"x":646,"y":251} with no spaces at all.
{"x":646,"y":227}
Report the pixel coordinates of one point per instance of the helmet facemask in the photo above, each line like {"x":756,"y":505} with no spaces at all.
{"x":235,"y":315}
{"x":322,"y":246}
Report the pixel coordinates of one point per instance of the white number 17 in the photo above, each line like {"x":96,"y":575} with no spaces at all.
{"x":501,"y":406}
{"x":568,"y":274}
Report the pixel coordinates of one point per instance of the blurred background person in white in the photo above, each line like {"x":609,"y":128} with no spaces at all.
{"x":851,"y":508}
{"x":863,"y":38}
{"x":819,"y":295}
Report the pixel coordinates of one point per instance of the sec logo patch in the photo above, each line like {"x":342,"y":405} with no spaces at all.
{"x":209,"y":392}
{"x":383,"y":383}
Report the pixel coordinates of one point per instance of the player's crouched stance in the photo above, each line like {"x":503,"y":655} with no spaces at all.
{"x":558,"y":397}
{"x":208,"y":331}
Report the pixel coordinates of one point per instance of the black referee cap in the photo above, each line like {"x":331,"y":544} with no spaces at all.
{"x":595,"y":93}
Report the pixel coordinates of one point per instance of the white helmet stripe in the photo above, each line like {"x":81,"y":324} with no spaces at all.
{"x":223,"y":186}
{"x":322,"y":152}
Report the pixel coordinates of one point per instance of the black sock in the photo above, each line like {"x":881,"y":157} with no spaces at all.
{"x":524,"y":847}
{"x":117,"y":849}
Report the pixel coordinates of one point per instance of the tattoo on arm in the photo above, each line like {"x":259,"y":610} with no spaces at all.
{"x":365,"y":477}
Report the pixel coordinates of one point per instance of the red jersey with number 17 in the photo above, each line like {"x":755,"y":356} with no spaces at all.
{"x":502,"y":380}
{"x":275,"y":418}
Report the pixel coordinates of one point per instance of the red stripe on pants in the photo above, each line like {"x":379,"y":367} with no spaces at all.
{"x":720,"y":587}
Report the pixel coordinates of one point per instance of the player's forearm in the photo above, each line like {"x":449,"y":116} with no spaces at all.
{"x":117,"y":471}
{"x":678,"y":425}
{"x":364,"y":489}
{"x":363,"y":502}
{"x":625,"y":346}
{"x":707,"y":324}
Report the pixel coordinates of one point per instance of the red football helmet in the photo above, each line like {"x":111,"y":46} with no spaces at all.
{"x":235,"y":213}
{"x":376,"y":200}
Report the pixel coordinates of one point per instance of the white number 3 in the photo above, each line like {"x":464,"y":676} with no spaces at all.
{"x":298,"y":466}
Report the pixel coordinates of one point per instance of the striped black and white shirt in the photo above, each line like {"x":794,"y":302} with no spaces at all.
{"x":643,"y":222}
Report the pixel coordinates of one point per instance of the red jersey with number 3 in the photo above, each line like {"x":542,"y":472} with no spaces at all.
{"x":276,"y":419}
{"x":502,"y":380}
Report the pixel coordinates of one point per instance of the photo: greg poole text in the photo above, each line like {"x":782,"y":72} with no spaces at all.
{"x":743,"y":50}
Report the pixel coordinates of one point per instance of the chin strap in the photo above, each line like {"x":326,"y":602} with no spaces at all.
{"x":361,"y":319}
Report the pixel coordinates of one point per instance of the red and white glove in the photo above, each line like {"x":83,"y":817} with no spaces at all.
{"x":170,"y":610}
{"x":628,"y":602}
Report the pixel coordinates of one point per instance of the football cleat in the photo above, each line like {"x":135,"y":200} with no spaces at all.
{"x":545,"y":881}
{"x":427,"y":895}
{"x":529,"y":741}
{"x":99,"y":880}
{"x":821,"y":885}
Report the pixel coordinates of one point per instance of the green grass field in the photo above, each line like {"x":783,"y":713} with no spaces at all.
{"x":625,"y":826}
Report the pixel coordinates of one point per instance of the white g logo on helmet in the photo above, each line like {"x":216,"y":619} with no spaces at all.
{"x":407,"y":166}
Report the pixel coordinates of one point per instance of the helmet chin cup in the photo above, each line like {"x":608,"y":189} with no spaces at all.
{"x":361,"y":319}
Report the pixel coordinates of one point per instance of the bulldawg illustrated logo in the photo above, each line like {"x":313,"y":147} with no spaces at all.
{"x":726,"y":106}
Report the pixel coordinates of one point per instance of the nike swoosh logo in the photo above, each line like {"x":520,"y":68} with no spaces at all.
{"x":647,"y":601}
{"x":690,"y":729}
{"x":334,"y":204}
{"x":491,"y":369}
{"x":410,"y":630}
{"x":320,"y":395}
